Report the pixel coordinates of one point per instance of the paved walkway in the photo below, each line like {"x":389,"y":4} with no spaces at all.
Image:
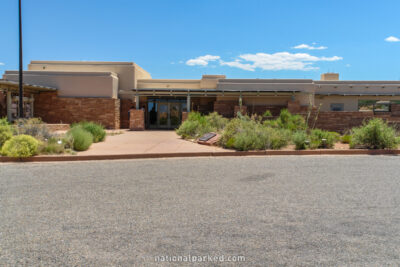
{"x":142,"y":142}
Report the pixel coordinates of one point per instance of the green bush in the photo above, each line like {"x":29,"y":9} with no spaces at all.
{"x":20,"y":146}
{"x":52,"y":146}
{"x":374,"y":134}
{"x":288,"y":121}
{"x":195,"y":126}
{"x":5,"y":133}
{"x":346,"y":139}
{"x":300,"y":139}
{"x":97,"y":130}
{"x":4,"y":122}
{"x":33,"y":127}
{"x":82,"y":138}
{"x":323,"y":139}
{"x":227,"y":138}
{"x":246,"y":134}
{"x":267,"y":113}
{"x":216,"y":121}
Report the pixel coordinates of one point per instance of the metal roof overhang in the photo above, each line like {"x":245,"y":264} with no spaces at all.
{"x":28,"y":88}
{"x":204,"y":92}
{"x":356,"y":94}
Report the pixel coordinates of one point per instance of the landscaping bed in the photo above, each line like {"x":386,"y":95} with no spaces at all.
{"x":285,"y":132}
{"x":29,"y":137}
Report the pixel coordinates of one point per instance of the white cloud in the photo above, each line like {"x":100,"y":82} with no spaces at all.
{"x":310,"y":47}
{"x":1,"y":64}
{"x":277,"y":61}
{"x":238,"y":64}
{"x":392,"y":39}
{"x":202,"y":60}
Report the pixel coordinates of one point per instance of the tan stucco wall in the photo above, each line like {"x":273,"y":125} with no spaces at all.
{"x":127,"y":72}
{"x":173,"y":84}
{"x":72,"y":84}
{"x":350,"y":102}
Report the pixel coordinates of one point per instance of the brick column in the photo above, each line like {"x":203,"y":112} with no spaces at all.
{"x":243,"y":110}
{"x":136,"y":120}
{"x":184,"y":115}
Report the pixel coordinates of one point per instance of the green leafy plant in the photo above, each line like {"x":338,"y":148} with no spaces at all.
{"x":374,"y":134}
{"x":97,"y":130}
{"x":267,"y":113}
{"x":323,"y":139}
{"x":300,"y":139}
{"x":82,"y":138}
{"x":195,"y":126}
{"x":249,"y":134}
{"x":346,"y":139}
{"x":216,"y":121}
{"x":4,"y":122}
{"x":5,"y":133}
{"x":20,"y":146}
{"x":288,"y":121}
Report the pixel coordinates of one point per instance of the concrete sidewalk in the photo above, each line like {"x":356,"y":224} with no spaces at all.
{"x":147,"y":142}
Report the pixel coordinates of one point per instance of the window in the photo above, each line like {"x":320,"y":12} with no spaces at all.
{"x":337,"y":107}
{"x":374,"y":105}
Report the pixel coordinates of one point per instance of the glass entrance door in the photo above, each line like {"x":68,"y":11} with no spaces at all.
{"x":165,"y":113}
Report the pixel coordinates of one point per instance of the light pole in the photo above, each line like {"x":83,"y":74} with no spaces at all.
{"x":21,"y":89}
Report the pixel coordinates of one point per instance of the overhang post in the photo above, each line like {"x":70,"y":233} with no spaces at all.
{"x":188,"y":103}
{"x":9,"y":103}
{"x":137,"y":101}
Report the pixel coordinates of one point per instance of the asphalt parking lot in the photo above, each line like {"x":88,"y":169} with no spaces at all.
{"x":271,"y":211}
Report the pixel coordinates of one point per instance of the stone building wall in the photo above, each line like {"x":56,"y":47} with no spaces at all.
{"x":53,"y":109}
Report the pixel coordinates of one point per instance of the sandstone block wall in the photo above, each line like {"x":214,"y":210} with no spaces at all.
{"x":136,"y":120}
{"x":53,"y":109}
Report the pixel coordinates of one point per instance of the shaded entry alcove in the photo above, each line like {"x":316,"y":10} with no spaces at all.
{"x":164,"y":113}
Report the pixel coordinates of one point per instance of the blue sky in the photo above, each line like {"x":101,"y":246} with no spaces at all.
{"x":188,"y":38}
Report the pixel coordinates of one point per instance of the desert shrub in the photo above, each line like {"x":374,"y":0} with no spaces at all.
{"x":227,"y":137}
{"x":267,"y":113}
{"x":279,"y":138}
{"x":288,"y":121}
{"x":195,"y":126}
{"x":246,"y":134}
{"x":374,"y":134}
{"x":317,"y":136}
{"x":33,"y":127}
{"x":251,"y":136}
{"x":52,"y":146}
{"x":82,"y":138}
{"x":4,"y":122}
{"x":346,"y":139}
{"x":5,"y":133}
{"x":216,"y":121}
{"x":300,"y":139}
{"x":20,"y":146}
{"x":97,"y":130}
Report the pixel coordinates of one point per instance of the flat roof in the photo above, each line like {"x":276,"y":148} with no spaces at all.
{"x":13,"y":86}
{"x":68,"y":62}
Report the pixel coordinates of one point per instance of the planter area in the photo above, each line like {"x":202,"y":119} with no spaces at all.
{"x":286,"y":132}
{"x":29,"y":137}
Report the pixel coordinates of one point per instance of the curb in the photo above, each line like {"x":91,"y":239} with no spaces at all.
{"x":205,"y":154}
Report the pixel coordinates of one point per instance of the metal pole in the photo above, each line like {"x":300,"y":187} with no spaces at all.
{"x":21,"y":90}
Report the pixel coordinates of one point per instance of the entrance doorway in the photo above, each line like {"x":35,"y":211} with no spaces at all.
{"x":165,"y":113}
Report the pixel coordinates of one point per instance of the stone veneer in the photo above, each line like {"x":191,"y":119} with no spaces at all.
{"x":126,"y":106}
{"x":53,"y":109}
{"x":136,"y":120}
{"x":184,"y":115}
